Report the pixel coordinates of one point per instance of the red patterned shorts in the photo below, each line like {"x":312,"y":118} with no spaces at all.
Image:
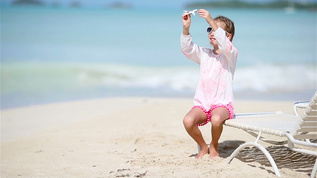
{"x":229,"y":107}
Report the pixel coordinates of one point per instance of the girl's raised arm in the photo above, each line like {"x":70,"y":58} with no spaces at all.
{"x":206,"y":15}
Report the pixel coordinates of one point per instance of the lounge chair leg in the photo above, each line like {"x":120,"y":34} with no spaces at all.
{"x":266,"y":153}
{"x":313,"y":173}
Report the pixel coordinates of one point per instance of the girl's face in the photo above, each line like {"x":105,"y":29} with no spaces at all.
{"x":212,"y":40}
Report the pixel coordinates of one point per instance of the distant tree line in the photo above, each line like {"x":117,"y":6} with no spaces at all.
{"x":242,"y":4}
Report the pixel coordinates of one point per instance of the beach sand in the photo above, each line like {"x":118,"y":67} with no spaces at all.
{"x":131,"y":137}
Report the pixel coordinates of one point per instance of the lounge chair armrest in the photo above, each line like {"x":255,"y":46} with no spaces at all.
{"x":299,"y":105}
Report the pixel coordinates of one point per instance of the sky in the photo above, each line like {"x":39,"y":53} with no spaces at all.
{"x":141,"y":3}
{"x":136,"y":3}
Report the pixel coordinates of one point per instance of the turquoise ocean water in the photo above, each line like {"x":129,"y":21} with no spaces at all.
{"x":60,"y":54}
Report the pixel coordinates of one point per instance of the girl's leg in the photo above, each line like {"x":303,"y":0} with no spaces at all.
{"x":192,"y":118}
{"x":218,"y":116}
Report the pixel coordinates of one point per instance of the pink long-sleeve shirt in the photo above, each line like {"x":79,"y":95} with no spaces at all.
{"x":216,"y":71}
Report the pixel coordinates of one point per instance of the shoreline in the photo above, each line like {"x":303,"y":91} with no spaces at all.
{"x":140,"y":136}
{"x":247,"y":95}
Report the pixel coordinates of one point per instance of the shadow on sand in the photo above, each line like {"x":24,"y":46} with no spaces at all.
{"x":282,"y":155}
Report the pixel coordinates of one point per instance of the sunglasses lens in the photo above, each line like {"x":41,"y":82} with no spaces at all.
{"x":209,"y":29}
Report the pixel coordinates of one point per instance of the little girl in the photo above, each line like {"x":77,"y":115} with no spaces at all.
{"x":213,"y":99}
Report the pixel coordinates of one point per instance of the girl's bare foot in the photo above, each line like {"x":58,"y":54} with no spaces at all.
{"x":202,"y":152}
{"x":213,"y":152}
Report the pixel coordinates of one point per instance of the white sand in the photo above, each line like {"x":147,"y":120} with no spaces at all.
{"x":126,"y":137}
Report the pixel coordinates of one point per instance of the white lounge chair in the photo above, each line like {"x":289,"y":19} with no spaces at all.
{"x":298,"y":129}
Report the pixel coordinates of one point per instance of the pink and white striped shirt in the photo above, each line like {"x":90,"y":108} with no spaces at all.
{"x":216,"y":71}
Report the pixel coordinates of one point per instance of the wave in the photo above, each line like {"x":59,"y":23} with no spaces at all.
{"x":42,"y":77}
{"x":272,"y":78}
{"x":259,"y":78}
{"x":175,"y":78}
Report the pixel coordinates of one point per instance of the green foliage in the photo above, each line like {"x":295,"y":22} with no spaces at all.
{"x":241,"y":4}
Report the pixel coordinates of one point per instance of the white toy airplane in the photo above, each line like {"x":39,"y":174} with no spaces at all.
{"x":185,"y":12}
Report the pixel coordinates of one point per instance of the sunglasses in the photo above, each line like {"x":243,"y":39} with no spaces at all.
{"x":209,"y":30}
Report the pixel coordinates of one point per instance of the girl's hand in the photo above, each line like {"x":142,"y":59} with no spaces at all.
{"x":205,"y":14}
{"x":186,"y":21}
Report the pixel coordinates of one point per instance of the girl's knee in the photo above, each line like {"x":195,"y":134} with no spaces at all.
{"x":216,"y":120}
{"x":188,"y":121}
